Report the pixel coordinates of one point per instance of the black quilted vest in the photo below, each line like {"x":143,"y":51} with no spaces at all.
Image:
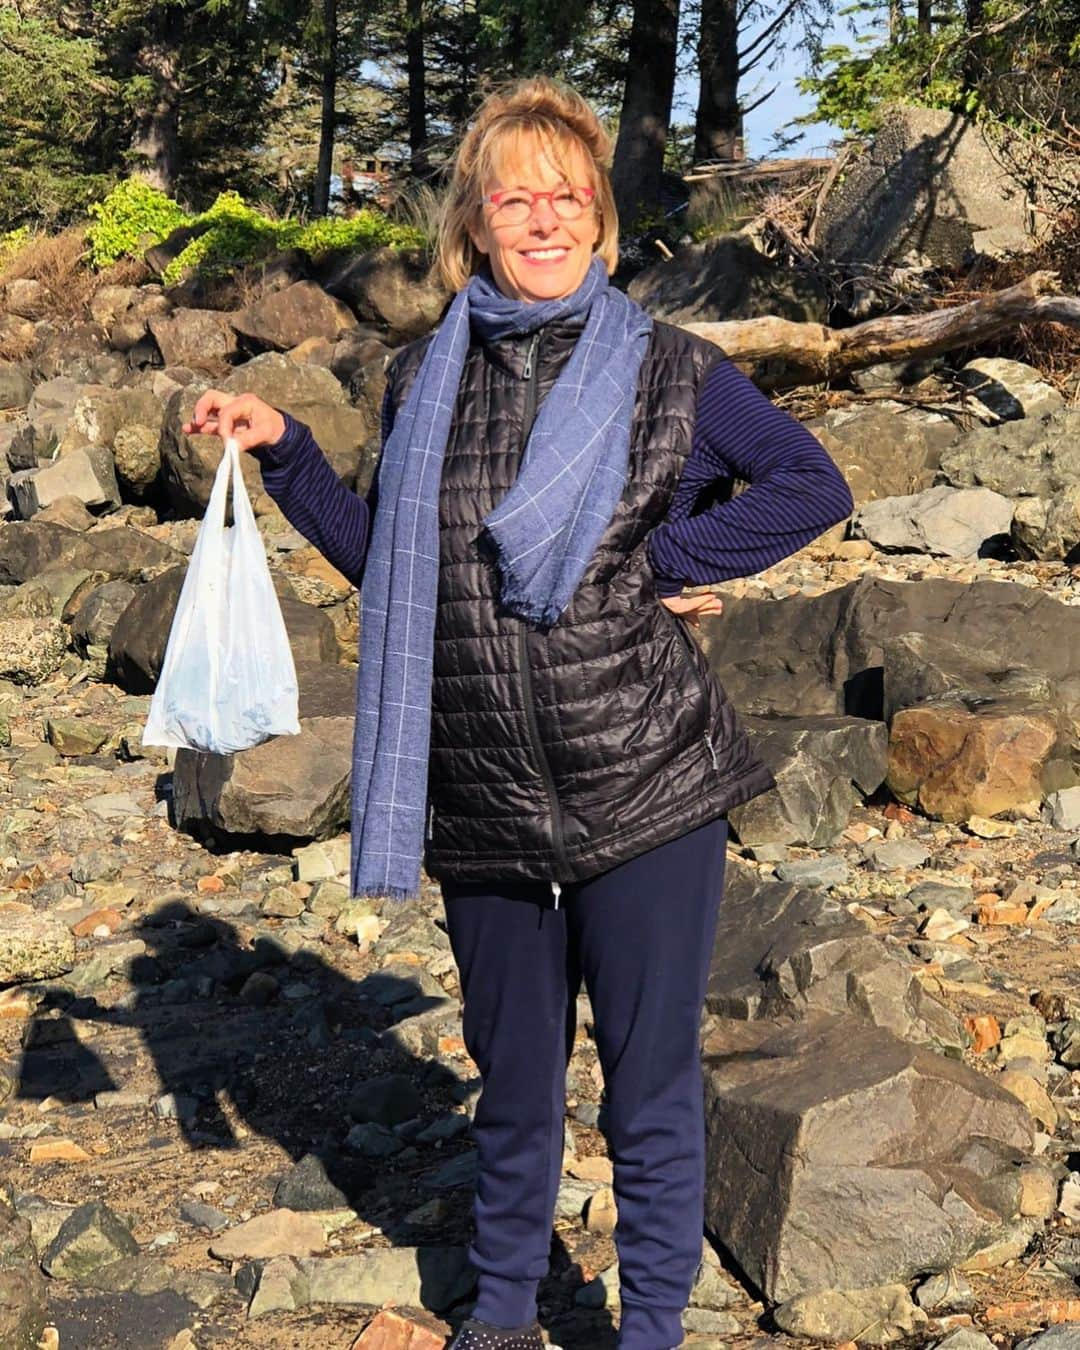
{"x":557,"y":754}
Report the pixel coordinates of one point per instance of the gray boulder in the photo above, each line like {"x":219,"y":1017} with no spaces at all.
{"x":284,"y":318}
{"x":875,"y":1316}
{"x":785,"y":952}
{"x":885,"y":450}
{"x":87,"y":474}
{"x":840,"y":1157}
{"x":31,"y":649}
{"x":28,"y":548}
{"x":127,"y":421}
{"x":191,"y":337}
{"x":1009,"y":389}
{"x":945,"y":521}
{"x":394,"y":288}
{"x":927,"y":189}
{"x":90,"y":1237}
{"x":296,"y":786}
{"x":98,"y":614}
{"x":727,"y":278}
{"x":823,"y":766}
{"x":48,"y":413}
{"x":34,"y":947}
{"x":16,"y":386}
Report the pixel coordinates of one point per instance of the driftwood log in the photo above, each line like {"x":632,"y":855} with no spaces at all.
{"x":812,"y":353}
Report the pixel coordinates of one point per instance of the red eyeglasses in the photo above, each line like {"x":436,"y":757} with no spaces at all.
{"x":514,"y":206}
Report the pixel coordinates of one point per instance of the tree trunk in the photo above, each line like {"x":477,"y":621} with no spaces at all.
{"x":814,"y":352}
{"x":718,"y":132}
{"x":973,"y":20}
{"x":320,"y":204}
{"x":414,"y":63}
{"x":896,"y":19}
{"x":646,"y":108}
{"x":155,"y":146}
{"x":924,"y":16}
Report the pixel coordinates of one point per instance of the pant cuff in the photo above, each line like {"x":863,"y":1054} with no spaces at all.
{"x":644,"y":1328}
{"x":505,"y":1303}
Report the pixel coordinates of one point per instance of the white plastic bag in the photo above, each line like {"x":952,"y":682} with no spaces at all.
{"x":227,"y":681}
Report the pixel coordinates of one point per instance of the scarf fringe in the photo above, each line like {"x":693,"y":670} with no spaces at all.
{"x":398,"y":894}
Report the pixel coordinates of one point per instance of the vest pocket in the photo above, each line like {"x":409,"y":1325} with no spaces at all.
{"x":691,"y":655}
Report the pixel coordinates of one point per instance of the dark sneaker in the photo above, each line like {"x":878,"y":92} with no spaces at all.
{"x":473,"y":1335}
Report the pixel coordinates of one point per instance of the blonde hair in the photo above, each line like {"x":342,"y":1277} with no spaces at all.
{"x":532,"y":109}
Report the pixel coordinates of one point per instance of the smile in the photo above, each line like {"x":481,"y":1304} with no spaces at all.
{"x":545,"y":254}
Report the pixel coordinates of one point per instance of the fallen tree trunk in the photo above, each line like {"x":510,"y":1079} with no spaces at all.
{"x":813,"y":353}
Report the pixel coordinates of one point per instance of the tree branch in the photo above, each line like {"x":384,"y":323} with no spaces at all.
{"x":815,"y":352}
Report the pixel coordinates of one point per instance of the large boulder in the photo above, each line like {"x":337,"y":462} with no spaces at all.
{"x":294,"y":786}
{"x":841,"y":1157}
{"x":953,"y":762}
{"x":88,"y":475}
{"x":1008,"y":389}
{"x":823,"y":766}
{"x":192,"y":337}
{"x":34,"y":947}
{"x":783,"y":952}
{"x":48,"y":414}
{"x":16,"y":386}
{"x":284,"y":318}
{"x":139,"y":636}
{"x":28,"y":548}
{"x":888,"y":450}
{"x":127,"y":421}
{"x":31,"y":649}
{"x":727,"y":278}
{"x":79,"y":351}
{"x":394,"y":288}
{"x":929,"y":188}
{"x":945,"y":521}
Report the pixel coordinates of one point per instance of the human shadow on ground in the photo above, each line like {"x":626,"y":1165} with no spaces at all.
{"x":280,"y":1042}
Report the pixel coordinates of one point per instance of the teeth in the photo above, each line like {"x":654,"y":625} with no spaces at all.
{"x":545,"y":252}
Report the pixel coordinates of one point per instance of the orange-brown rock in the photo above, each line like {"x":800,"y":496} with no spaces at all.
{"x":58,"y":1150}
{"x":1049,"y":1310}
{"x":392,"y":1329}
{"x":953,"y":763}
{"x":984,"y":1030}
{"x":101,"y":918}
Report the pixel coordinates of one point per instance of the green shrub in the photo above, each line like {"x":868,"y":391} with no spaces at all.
{"x":132,"y":216}
{"x":12,"y":243}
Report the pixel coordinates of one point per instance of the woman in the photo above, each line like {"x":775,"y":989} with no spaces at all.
{"x":530,"y":703}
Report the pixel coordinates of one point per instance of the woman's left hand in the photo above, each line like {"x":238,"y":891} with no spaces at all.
{"x":693,"y":608}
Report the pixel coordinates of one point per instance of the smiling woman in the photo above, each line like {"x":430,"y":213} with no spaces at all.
{"x":533,"y":717}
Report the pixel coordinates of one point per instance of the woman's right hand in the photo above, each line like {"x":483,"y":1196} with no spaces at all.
{"x":251,"y":422}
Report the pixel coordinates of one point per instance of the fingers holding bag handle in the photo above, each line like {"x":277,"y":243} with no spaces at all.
{"x":246,"y":418}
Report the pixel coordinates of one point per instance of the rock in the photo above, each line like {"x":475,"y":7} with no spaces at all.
{"x":98,"y":613}
{"x":327,"y":858}
{"x":1036,"y":457}
{"x":600,"y":1213}
{"x":940,"y":926}
{"x":872,"y":1316}
{"x":1064,"y":1336}
{"x":1009,"y":389}
{"x":895,"y":855}
{"x":29,"y":548}
{"x":242,"y":794}
{"x":964,"y":1338}
{"x":128,"y":422}
{"x":279,"y":1233}
{"x":192,"y":337}
{"x":309,"y":1187}
{"x":392,"y":1329}
{"x":1032,"y":1094}
{"x":282,"y":319}
{"x":31,"y":649}
{"x":1064,"y":809}
{"x":945,"y":521}
{"x":385,"y":1101}
{"x":34,"y":947}
{"x":840,"y":1157}
{"x":428,"y":1277}
{"x":779,"y":954}
{"x":373,"y":1141}
{"x":933,"y":895}
{"x":92,"y":1236}
{"x":22,"y":1286}
{"x":823,"y":766}
{"x":950,"y":1292}
{"x":727,"y":278}
{"x":884,"y":450}
{"x":25,"y":297}
{"x":953,"y":763}
{"x":203,"y":1216}
{"x":16,"y":386}
{"x":69,"y":512}
{"x":927,"y":186}
{"x":825,"y":871}
{"x":394,"y":288}
{"x":921,"y":668}
{"x":280,"y":1286}
{"x":75,"y":735}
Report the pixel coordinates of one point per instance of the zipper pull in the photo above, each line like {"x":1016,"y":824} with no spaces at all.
{"x":712,"y":751}
{"x":530,"y":357}
{"x":556,"y":891}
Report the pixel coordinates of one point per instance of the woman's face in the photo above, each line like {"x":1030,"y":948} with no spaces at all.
{"x":543,"y":258}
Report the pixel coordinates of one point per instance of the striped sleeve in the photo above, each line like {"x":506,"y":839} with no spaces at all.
{"x":315,"y":501}
{"x":795,"y":490}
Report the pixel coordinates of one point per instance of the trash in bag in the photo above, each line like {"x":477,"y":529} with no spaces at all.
{"x":227,"y":681}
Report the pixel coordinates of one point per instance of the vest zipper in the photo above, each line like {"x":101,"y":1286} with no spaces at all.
{"x":531,"y":374}
{"x":689,"y":646}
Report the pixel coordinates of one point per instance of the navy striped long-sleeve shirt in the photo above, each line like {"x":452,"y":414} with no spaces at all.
{"x":795,"y":492}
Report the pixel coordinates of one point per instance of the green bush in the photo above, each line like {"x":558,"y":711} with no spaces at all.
{"x":133,"y":216}
{"x":13,"y":243}
{"x":230,"y":233}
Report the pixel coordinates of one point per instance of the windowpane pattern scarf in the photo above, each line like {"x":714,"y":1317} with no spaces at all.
{"x":545,"y":530}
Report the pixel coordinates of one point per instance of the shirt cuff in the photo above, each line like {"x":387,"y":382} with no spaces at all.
{"x":665,"y":588}
{"x":278,"y":453}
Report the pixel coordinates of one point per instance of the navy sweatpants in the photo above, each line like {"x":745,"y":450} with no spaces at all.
{"x":641,"y":936}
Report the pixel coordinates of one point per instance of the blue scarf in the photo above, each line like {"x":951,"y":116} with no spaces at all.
{"x":546,"y":530}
